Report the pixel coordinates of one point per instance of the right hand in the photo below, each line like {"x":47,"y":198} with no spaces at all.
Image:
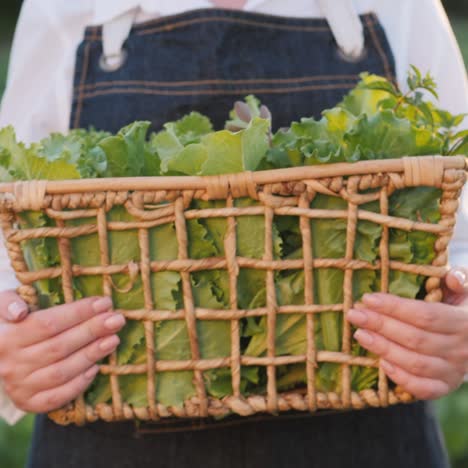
{"x":49,"y":357}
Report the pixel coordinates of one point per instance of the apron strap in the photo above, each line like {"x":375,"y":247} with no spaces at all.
{"x":341,"y":15}
{"x":346,"y":26}
{"x":114,"y":34}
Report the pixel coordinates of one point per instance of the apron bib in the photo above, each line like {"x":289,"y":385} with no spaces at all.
{"x":204,"y":60}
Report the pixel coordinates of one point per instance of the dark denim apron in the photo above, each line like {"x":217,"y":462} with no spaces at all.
{"x":204,"y":60}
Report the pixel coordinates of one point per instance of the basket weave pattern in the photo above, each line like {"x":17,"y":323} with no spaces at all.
{"x":157,"y":201}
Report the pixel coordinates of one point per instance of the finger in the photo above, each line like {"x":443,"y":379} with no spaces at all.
{"x":47,"y":323}
{"x":55,"y":398}
{"x":416,"y":339}
{"x":12,"y":307}
{"x":422,"y":388}
{"x":414,"y":363}
{"x":449,"y":297}
{"x":435,"y":317}
{"x":456,"y":280}
{"x":455,"y":286}
{"x":66,"y":370}
{"x":70,"y":341}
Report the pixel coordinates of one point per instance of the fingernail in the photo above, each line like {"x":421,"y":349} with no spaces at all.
{"x":461,"y":277}
{"x":373,"y":300}
{"x":364,"y":337}
{"x":358,"y":317}
{"x":109,"y":343}
{"x":387,"y":367}
{"x":102,"y":304}
{"x":115,"y":322}
{"x":17,"y":310}
{"x":90,"y":373}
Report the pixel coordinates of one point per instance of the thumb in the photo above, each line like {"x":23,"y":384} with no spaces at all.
{"x":12,"y":307}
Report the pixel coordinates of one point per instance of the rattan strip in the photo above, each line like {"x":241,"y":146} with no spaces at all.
{"x":143,"y":240}
{"x":85,"y":229}
{"x":159,"y":212}
{"x":384,"y":284}
{"x":18,"y":262}
{"x":213,"y":263}
{"x":230,"y":249}
{"x":309,"y":292}
{"x":182,"y":240}
{"x":66,"y":266}
{"x":229,"y":405}
{"x":272,"y":392}
{"x":448,"y":207}
{"x":107,"y":291}
{"x":64,"y":248}
{"x":71,"y":215}
{"x":348,"y":292}
{"x":218,"y":363}
{"x":225,"y":314}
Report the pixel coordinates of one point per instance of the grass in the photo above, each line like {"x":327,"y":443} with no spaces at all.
{"x":4,"y":55}
{"x":460,"y":26}
{"x":14,"y":442}
{"x":7,"y":26}
{"x":453,"y":412}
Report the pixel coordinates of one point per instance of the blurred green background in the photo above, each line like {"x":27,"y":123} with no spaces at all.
{"x":452,"y":411}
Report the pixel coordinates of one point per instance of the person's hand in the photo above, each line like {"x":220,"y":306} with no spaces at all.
{"x":423,"y":346}
{"x":49,"y":357}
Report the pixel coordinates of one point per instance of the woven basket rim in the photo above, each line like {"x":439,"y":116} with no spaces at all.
{"x":292,"y":174}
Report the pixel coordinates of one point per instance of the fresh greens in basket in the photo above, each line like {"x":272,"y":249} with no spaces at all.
{"x":374,"y":121}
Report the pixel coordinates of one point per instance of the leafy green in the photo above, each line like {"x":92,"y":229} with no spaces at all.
{"x":241,"y":151}
{"x":57,"y":157}
{"x":22,"y":163}
{"x":123,"y":151}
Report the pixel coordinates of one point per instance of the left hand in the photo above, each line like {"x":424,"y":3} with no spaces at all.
{"x":423,"y":346}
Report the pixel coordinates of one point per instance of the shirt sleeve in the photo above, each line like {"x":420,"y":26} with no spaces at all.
{"x":8,"y":280}
{"x":46,"y":37}
{"x":8,"y":411}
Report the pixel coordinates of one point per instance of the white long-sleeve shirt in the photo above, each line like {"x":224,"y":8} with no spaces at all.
{"x":37,"y":100}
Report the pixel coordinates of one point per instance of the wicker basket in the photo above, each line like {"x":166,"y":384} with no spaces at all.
{"x":155,"y":201}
